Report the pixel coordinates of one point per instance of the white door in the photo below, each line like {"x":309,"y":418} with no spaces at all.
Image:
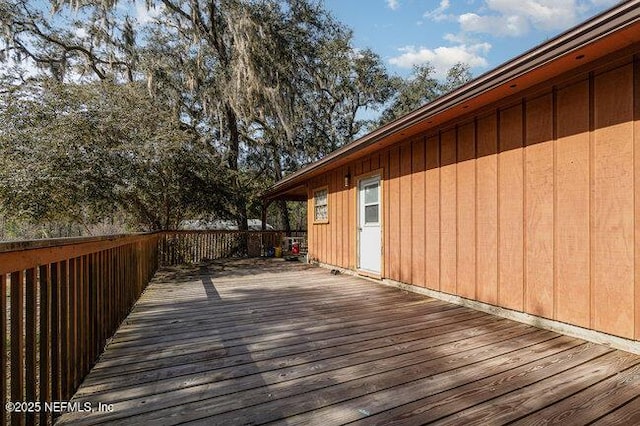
{"x":369,"y":229}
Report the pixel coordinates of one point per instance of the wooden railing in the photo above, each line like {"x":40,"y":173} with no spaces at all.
{"x":189,"y":247}
{"x":60,"y":300}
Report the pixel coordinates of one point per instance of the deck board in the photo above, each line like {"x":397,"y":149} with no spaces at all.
{"x":258,"y":341}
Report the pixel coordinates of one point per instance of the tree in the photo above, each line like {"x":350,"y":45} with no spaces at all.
{"x":85,"y":152}
{"x":265,"y":85}
{"x":457,"y":75}
{"x":421,"y":88}
{"x":336,"y":84}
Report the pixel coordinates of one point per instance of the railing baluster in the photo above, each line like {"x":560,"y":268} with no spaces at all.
{"x":75,"y":314}
{"x":102,"y":281}
{"x":79,"y":334}
{"x":123,"y":280}
{"x":112,"y":287}
{"x":91,"y":325}
{"x":55,"y":332}
{"x":193,"y":248}
{"x":17,"y":343}
{"x":31,"y":303}
{"x":87,"y":314}
{"x":203,"y":246}
{"x":45,"y":340}
{"x":65,"y":360}
{"x":119,"y":273}
{"x":82,"y":294}
{"x":91,"y":298}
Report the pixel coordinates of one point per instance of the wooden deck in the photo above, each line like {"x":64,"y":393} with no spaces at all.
{"x":255,"y":341}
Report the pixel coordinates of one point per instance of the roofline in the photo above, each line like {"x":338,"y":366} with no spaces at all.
{"x":579,"y":36}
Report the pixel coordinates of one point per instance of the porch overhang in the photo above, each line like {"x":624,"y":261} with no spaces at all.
{"x":295,"y":193}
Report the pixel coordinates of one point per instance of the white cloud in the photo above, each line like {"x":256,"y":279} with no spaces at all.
{"x":604,"y":3}
{"x":517,"y":18}
{"x":438,"y":14}
{"x":393,"y":4}
{"x":497,"y":25}
{"x":444,"y":57}
{"x":460,"y":38}
{"x":542,"y":14}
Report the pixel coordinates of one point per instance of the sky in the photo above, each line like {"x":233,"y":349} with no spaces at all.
{"x":481,"y":33}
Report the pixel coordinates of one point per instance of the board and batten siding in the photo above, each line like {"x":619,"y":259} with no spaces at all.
{"x":532,"y":206}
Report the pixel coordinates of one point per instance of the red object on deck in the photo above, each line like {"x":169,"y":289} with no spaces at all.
{"x":295,"y":248}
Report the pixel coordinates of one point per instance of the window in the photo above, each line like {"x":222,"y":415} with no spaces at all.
{"x":321,"y":205}
{"x":371,"y":204}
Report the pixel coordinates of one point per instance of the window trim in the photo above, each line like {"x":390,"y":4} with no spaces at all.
{"x":313,"y":193}
{"x":378,"y":203}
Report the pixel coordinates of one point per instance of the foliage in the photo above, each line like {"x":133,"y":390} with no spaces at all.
{"x":190,"y":114}
{"x":85,"y":152}
{"x":457,"y":75}
{"x":421,"y":88}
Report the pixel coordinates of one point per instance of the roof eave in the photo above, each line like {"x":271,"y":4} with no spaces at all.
{"x":586,"y":33}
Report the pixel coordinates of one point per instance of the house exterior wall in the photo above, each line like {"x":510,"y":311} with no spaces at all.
{"x":532,"y":204}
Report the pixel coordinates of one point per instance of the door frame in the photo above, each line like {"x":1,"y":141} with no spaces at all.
{"x":356,"y":203}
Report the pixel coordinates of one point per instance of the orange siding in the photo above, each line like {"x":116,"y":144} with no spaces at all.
{"x":384,"y":164}
{"x":366,"y":165}
{"x":340,"y":215}
{"x":613,"y":220}
{"x":487,"y":208}
{"x":325,"y":235}
{"x":333,"y":245}
{"x":448,"y":242}
{"x":328,"y":234}
{"x":311,"y":229}
{"x":539,"y":207}
{"x":510,"y":210}
{"x":375,"y":162}
{"x":393,"y":227}
{"x":529,"y":206}
{"x":326,"y":227}
{"x":405,"y":206}
{"x":636,"y":169}
{"x":572,"y":205}
{"x":357,"y":170}
{"x":346,"y":225}
{"x":432,"y":213}
{"x":337,"y":226}
{"x":353,"y":215}
{"x":418,"y":214}
{"x":466,"y":204}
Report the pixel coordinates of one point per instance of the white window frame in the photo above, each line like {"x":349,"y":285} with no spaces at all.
{"x":316,"y":193}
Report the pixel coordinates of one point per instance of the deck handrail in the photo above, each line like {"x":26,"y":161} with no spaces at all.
{"x":179,"y":247}
{"x":62,"y":299}
{"x":18,"y":245}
